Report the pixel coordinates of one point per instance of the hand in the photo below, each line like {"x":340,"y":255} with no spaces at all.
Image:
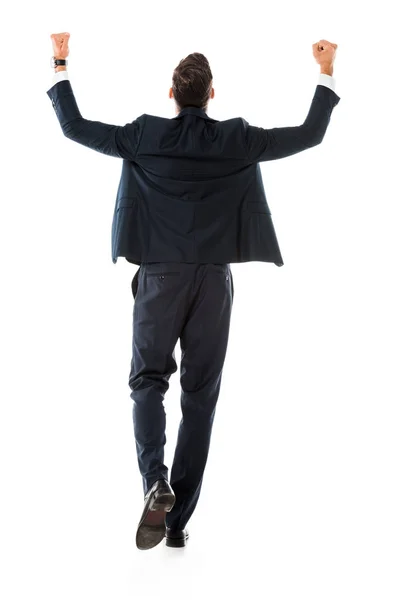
{"x":60,"y":44}
{"x":324,"y":53}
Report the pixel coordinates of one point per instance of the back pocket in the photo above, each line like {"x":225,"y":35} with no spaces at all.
{"x":162,"y":274}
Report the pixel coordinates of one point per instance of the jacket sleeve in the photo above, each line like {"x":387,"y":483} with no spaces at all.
{"x":120,"y":141}
{"x":279,"y":142}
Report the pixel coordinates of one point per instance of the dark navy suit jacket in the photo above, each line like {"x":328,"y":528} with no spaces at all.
{"x":191,"y":188}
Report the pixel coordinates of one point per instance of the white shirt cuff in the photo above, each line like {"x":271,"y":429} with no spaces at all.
{"x":59,"y":76}
{"x":326,"y":80}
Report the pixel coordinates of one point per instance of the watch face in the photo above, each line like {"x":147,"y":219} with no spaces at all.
{"x":52,"y":62}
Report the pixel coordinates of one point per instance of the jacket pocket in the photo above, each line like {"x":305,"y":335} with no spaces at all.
{"x":126,"y":202}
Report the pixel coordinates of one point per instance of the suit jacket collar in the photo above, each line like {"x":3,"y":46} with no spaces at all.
{"x":193,"y":110}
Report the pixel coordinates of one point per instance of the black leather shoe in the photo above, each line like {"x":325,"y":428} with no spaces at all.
{"x":159,"y":500}
{"x":177,"y":538}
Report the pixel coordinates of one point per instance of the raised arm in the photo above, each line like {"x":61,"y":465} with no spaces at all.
{"x":120,"y":141}
{"x":279,"y":142}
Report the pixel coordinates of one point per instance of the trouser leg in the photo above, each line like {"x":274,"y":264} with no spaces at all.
{"x":204,"y":341}
{"x":157,"y":320}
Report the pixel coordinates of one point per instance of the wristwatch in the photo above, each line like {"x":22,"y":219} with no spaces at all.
{"x":58,"y":62}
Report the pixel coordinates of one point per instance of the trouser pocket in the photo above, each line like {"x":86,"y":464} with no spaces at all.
{"x":162,"y":274}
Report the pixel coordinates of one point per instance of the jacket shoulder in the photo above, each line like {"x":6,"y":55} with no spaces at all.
{"x":154,"y":118}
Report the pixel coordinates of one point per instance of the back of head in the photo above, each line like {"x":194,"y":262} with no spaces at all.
{"x":192,"y":81}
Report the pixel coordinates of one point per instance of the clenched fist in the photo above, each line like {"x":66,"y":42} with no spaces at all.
{"x":60,"y":44}
{"x":324,"y":53}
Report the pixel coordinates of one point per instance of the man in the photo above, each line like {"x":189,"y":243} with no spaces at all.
{"x":190,"y":201}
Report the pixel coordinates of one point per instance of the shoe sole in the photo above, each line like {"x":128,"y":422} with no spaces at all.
{"x":151,"y":530}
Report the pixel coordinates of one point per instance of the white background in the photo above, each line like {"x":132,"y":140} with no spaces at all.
{"x":301,"y":492}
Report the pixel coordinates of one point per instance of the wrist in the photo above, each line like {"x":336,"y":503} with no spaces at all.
{"x":58,"y":68}
{"x":327,"y":70}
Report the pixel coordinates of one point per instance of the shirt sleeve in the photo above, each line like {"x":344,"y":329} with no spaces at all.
{"x":326,"y":80}
{"x":59,"y":76}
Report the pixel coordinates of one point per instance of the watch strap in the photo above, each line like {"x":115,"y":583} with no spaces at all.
{"x":58,"y":62}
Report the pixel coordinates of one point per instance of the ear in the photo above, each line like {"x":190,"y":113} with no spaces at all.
{"x":212,"y":93}
{"x":171,"y":95}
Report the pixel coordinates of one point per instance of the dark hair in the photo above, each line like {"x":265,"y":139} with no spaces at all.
{"x":192,"y":81}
